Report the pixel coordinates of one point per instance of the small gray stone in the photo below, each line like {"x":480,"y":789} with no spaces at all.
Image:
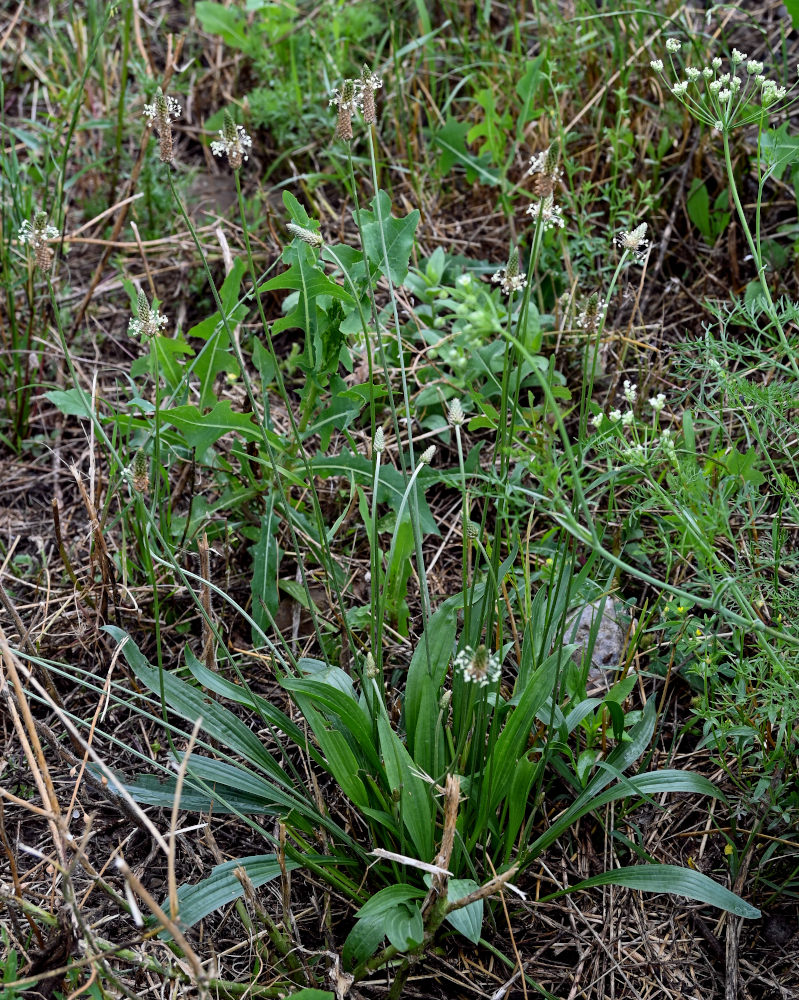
{"x":609,"y":645}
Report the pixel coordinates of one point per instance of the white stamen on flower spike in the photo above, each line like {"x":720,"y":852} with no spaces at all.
{"x":150,"y":321}
{"x":634,"y":241}
{"x":546,"y":169}
{"x":369,"y":83}
{"x":548,"y":213}
{"x":591,"y":316}
{"x":478,"y":666}
{"x":347,"y":99}
{"x":233,"y":142}
{"x":509,"y":277}
{"x":427,"y":456}
{"x":37,"y":235}
{"x":159,"y":115}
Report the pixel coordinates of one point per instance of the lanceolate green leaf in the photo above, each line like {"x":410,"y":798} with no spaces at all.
{"x":191,"y":704}
{"x":428,"y":666}
{"x":263,"y":585}
{"x":217,"y":355}
{"x":339,"y":756}
{"x":672,"y":879}
{"x":222,"y":887}
{"x":214,"y":682}
{"x":391,"y":488}
{"x":512,"y":741}
{"x":412,"y":790}
{"x":468,"y":920}
{"x":345,"y":711}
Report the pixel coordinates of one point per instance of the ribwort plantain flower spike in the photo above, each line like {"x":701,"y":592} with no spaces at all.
{"x":379,"y":443}
{"x":369,"y":83}
{"x":149,"y":322}
{"x":545,"y":168}
{"x":478,"y":666}
{"x":309,"y":236}
{"x":159,"y":115}
{"x":634,"y":241}
{"x":346,"y":99}
{"x":591,"y":316}
{"x":37,"y":235}
{"x":427,"y":456}
{"x":141,"y":472}
{"x":509,"y":277}
{"x":546,"y":210}
{"x":455,"y":413}
{"x":233,"y":142}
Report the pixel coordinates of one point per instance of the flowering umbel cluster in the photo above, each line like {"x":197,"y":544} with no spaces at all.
{"x":37,"y":235}
{"x":478,"y":666}
{"x":509,"y":277}
{"x":354,"y":96}
{"x":233,"y":142}
{"x":159,"y":115}
{"x":149,"y":321}
{"x":739,"y":96}
{"x":629,"y":437}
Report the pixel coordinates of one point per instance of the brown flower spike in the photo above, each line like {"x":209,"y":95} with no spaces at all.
{"x":159,"y":115}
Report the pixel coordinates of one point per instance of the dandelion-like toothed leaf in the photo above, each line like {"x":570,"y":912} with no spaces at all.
{"x":398,"y":235}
